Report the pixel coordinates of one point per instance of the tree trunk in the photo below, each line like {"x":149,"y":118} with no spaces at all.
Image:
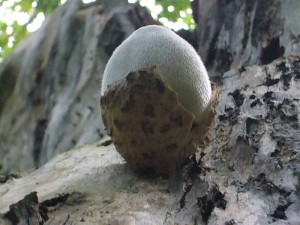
{"x":234,"y":33}
{"x":246,"y":172}
{"x":50,"y":85}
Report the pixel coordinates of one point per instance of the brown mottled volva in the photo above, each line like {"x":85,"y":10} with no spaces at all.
{"x":148,"y":125}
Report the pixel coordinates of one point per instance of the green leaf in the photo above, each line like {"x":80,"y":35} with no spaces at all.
{"x":179,"y":5}
{"x":3,"y":40}
{"x":26,"y":5}
{"x":47,"y":6}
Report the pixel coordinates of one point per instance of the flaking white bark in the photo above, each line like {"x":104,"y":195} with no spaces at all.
{"x":248,"y":173}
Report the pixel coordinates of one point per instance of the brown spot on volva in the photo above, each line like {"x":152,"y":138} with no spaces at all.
{"x":133,"y":143}
{"x":176,"y":118}
{"x":195,"y":126}
{"x":137,"y":87}
{"x":106,"y":99}
{"x":143,"y":73}
{"x":149,"y":111}
{"x":172,"y":147}
{"x":165,"y":128}
{"x":147,"y":156}
{"x":160,"y":86}
{"x":147,"y":127}
{"x":118,"y":124}
{"x":129,"y":103}
{"x":130,"y":77}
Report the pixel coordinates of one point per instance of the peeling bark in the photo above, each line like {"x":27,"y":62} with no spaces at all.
{"x":254,"y":158}
{"x":234,"y":33}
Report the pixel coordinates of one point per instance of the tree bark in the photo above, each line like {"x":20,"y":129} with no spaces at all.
{"x":233,"y":34}
{"x":50,"y":84}
{"x":246,"y":172}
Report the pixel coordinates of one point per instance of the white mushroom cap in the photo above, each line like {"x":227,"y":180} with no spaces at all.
{"x":175,"y":60}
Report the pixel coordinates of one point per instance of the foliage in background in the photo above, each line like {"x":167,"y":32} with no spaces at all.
{"x":16,"y":17}
{"x":177,"y":11}
{"x":20,"y":17}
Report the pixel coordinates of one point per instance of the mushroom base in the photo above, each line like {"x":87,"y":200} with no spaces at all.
{"x":148,"y":126}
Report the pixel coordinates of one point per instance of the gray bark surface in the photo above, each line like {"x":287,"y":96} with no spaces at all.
{"x":233,"y":34}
